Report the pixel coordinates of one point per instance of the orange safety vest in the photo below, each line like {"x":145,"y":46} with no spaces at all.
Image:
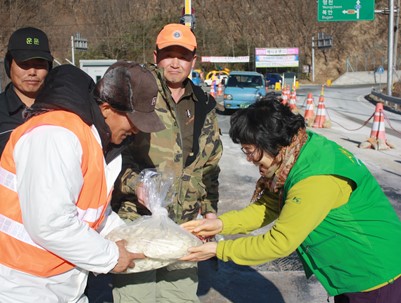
{"x":18,"y":250}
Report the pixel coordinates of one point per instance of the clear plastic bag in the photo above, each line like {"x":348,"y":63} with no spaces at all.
{"x":157,"y":236}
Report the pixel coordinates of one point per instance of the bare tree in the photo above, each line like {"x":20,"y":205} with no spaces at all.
{"x":125,"y":29}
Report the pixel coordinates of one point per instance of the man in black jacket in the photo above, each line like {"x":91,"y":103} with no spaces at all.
{"x":27,"y":62}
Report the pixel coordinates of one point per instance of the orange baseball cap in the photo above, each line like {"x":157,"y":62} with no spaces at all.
{"x":176,"y":34}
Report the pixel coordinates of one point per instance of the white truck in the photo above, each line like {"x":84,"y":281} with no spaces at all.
{"x":96,"y":68}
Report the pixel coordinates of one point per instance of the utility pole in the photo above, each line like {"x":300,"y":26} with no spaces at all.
{"x":313,"y":59}
{"x":72,"y":51}
{"x":188,"y":15}
{"x":188,"y":19}
{"x":188,"y":12}
{"x":396,"y":35}
{"x":390,"y":47}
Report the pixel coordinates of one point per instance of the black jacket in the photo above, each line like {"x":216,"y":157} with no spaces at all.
{"x":11,"y":114}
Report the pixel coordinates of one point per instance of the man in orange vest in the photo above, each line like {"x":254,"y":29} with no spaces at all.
{"x":56,"y":176}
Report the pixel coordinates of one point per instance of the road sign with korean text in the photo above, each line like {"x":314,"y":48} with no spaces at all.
{"x":345,"y":10}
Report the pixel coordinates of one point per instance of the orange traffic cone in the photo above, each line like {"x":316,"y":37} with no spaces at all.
{"x":309,"y":114}
{"x":293,"y":101}
{"x":377,"y":138}
{"x":220,"y":90}
{"x":321,"y":114}
{"x":285,"y":95}
{"x":212,"y":88}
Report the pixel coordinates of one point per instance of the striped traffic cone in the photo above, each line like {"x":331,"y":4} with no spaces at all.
{"x":309,"y":114}
{"x":220,"y":90}
{"x":320,"y":114}
{"x":377,"y":139}
{"x":320,"y":118}
{"x":293,"y":101}
{"x":285,"y":93}
{"x":213,"y":88}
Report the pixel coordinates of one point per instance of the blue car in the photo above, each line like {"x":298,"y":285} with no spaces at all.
{"x":243,"y":88}
{"x":196,"y":78}
{"x":273,"y":78}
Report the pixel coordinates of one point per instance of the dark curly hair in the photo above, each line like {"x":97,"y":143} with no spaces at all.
{"x":268,"y":124}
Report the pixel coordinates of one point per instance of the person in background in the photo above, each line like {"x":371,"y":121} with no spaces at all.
{"x":189,"y":147}
{"x":57,"y":172}
{"x":326,"y":205}
{"x":27,"y":62}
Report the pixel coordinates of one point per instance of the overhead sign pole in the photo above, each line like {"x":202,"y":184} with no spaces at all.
{"x":358,"y":10}
{"x":77,"y":43}
{"x":392,"y":42}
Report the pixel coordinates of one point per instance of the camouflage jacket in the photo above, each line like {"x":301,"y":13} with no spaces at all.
{"x":196,"y":184}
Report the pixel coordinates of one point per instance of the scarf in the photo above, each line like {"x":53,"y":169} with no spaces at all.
{"x":281,"y":166}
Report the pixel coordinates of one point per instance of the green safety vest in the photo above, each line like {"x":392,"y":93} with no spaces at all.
{"x":358,"y":245}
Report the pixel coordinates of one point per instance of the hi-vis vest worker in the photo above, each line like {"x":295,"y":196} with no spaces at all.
{"x":56,"y":176}
{"x":25,"y":254}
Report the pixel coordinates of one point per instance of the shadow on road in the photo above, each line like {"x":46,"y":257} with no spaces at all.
{"x":238,"y":284}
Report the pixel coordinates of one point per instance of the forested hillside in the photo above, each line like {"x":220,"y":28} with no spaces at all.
{"x":126,"y":29}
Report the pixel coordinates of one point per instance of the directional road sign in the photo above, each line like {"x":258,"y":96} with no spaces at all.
{"x":345,"y":10}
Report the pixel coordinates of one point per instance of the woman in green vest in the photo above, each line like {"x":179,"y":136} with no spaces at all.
{"x":324,"y":202}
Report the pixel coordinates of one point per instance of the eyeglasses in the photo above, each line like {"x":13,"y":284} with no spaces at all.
{"x":249,"y":154}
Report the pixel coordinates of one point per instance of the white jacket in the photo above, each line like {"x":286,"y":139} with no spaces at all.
{"x":53,"y":155}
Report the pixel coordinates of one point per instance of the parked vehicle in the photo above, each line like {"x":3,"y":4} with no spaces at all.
{"x":272,"y":79}
{"x":243,"y":88}
{"x":219,"y":76}
{"x":196,"y":78}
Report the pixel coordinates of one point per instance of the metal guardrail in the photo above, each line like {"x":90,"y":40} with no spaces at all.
{"x":386,"y":98}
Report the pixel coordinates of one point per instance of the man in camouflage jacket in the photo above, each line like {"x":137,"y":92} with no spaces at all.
{"x":196,"y":181}
{"x":189,"y":148}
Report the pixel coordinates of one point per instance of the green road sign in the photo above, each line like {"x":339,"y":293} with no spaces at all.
{"x":345,"y":10}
